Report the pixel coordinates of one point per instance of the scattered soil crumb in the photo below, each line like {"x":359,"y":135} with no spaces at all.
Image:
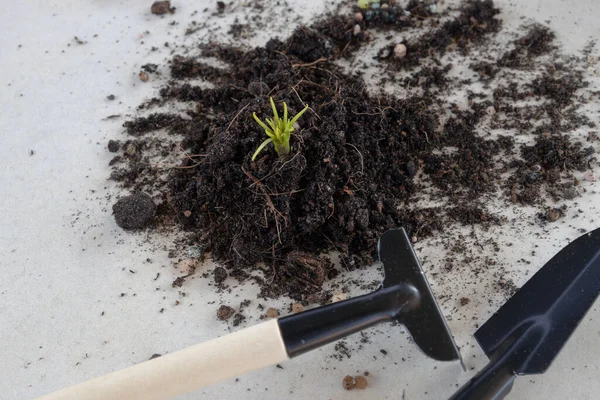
{"x":553,"y":214}
{"x":135,"y":211}
{"x":238,"y":319}
{"x":220,"y":275}
{"x":155,"y":355}
{"x":225,"y":312}
{"x":162,"y":7}
{"x":113,"y":146}
{"x":144,"y":76}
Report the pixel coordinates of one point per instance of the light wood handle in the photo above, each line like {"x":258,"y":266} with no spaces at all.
{"x":186,"y":370}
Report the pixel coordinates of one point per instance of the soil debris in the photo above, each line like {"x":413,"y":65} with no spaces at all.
{"x":113,"y":146}
{"x":220,"y":275}
{"x":362,"y":158}
{"x":162,"y":7}
{"x":238,"y":319}
{"x":225,"y":312}
{"x":134,"y":211}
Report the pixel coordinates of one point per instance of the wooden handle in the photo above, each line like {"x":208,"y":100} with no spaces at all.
{"x":186,"y":370}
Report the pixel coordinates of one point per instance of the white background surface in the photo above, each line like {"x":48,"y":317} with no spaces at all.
{"x":65,"y":262}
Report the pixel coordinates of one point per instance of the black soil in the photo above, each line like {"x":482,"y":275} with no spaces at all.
{"x":359,"y":159}
{"x":135,"y":211}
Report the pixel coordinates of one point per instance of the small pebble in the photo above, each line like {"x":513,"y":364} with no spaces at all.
{"x":361,"y":382}
{"x":348,"y":382}
{"x":110,"y":97}
{"x":225,"y":312}
{"x":400,"y":51}
{"x":220,"y":275}
{"x":297,"y":307}
{"x":490,"y":110}
{"x":187,"y":213}
{"x":553,"y":214}
{"x":161,"y":8}
{"x":570,"y":193}
{"x":356,"y":30}
{"x":272,"y":312}
{"x":144,"y":76}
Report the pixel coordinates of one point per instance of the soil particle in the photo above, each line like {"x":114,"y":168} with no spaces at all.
{"x":135,"y":211}
{"x":297,"y":307}
{"x":536,"y":42}
{"x":155,"y":355}
{"x":464,"y":301}
{"x":361,"y":382}
{"x":272,"y":312}
{"x":110,"y":97}
{"x":150,"y":68}
{"x":348,"y":383}
{"x":238,"y":319}
{"x":225,"y":312}
{"x":553,"y":214}
{"x":220,"y":275}
{"x":113,"y":146}
{"x":144,"y":76}
{"x":161,"y":8}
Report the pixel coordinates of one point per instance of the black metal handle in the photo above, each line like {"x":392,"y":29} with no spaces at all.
{"x":493,"y":382}
{"x":310,"y":329}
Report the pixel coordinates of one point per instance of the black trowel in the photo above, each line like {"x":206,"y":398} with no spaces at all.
{"x":528,"y":332}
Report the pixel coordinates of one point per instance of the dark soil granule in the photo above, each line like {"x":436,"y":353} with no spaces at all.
{"x":113,"y":146}
{"x":238,"y":319}
{"x":536,"y":42}
{"x":220,"y":274}
{"x":134,"y":211}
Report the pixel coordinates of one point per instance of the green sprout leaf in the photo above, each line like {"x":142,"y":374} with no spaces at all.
{"x":279,"y":130}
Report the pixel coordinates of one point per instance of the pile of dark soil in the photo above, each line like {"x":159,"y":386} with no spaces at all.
{"x":360,"y":159}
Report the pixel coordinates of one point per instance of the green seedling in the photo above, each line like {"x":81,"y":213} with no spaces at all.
{"x":279,"y":130}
